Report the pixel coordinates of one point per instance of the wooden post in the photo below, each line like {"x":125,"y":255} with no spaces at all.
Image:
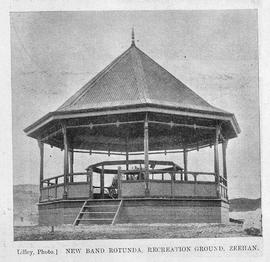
{"x":146,"y":156}
{"x":41,"y":167}
{"x":195,"y":185}
{"x":224,"y":148}
{"x":172,"y":183}
{"x":185,"y":164}
{"x":140,"y":172}
{"x":90,"y":174}
{"x":127,"y":156}
{"x":64,"y":130}
{"x":102,"y":182}
{"x":56,"y":183}
{"x":119,"y":182}
{"x":181,"y":175}
{"x":216,"y":160}
{"x":71,"y":161}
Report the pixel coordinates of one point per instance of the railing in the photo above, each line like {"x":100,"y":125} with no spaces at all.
{"x":223,"y":189}
{"x":77,"y":186}
{"x":172,"y":184}
{"x":132,"y":183}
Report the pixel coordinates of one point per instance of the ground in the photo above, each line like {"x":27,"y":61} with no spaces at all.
{"x":129,"y":231}
{"x":244,"y":224}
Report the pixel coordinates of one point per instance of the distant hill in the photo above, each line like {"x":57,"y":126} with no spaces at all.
{"x":244,"y":204}
{"x":25,"y":199}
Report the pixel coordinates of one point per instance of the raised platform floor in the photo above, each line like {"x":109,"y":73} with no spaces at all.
{"x":139,"y":210}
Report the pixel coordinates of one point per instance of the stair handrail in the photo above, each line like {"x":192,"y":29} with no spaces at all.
{"x":81,"y":210}
{"x":117,"y":212}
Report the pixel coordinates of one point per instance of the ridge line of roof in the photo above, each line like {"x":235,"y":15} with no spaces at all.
{"x":140,"y":75}
{"x":78,"y":95}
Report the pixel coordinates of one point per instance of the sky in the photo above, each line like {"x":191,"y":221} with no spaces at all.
{"x":215,"y":53}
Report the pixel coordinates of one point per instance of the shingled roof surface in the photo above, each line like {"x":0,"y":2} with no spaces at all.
{"x":133,"y":79}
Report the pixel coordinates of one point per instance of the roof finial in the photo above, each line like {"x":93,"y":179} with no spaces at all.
{"x":132,"y":37}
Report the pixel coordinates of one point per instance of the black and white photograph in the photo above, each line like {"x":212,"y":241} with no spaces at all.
{"x":135,"y":124}
{"x":134,"y":130}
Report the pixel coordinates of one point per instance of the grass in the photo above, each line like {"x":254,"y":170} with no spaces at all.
{"x":128,"y":231}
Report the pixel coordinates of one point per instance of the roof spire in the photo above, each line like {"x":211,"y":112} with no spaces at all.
{"x":132,"y":37}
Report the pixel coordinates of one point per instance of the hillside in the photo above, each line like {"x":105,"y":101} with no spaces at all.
{"x":25,"y":199}
{"x":244,"y":204}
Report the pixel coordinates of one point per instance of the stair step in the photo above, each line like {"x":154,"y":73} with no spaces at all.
{"x":100,"y":209}
{"x":102,"y":203}
{"x":97,"y":212}
{"x":101,"y":206}
{"x":95,"y":219}
{"x":95,"y":222}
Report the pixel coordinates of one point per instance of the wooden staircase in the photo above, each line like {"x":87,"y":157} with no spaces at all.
{"x":98,"y":212}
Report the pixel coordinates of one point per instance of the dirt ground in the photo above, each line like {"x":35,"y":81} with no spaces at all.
{"x":128,"y":231}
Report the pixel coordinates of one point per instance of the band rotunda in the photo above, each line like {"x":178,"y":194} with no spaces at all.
{"x":134,"y":107}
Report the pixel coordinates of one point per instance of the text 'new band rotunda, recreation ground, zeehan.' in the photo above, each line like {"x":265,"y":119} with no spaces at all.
{"x":134,"y":107}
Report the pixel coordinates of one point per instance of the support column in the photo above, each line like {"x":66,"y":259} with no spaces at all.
{"x":71,"y":161}
{"x":216,"y":160}
{"x":102,"y":182}
{"x":64,"y":130}
{"x":127,"y":156}
{"x":173,"y":182}
{"x":41,"y":167}
{"x":185,"y":164}
{"x":119,"y":193}
{"x":146,"y":156}
{"x":90,"y":174}
{"x":224,"y":149}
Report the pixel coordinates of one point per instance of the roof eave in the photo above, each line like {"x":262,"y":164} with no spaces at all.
{"x":42,"y":121}
{"x":235,"y":125}
{"x":58,"y":115}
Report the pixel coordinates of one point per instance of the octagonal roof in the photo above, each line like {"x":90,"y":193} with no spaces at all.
{"x":134,"y":78}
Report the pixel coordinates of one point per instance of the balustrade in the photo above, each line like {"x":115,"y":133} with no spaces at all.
{"x":131,"y":183}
